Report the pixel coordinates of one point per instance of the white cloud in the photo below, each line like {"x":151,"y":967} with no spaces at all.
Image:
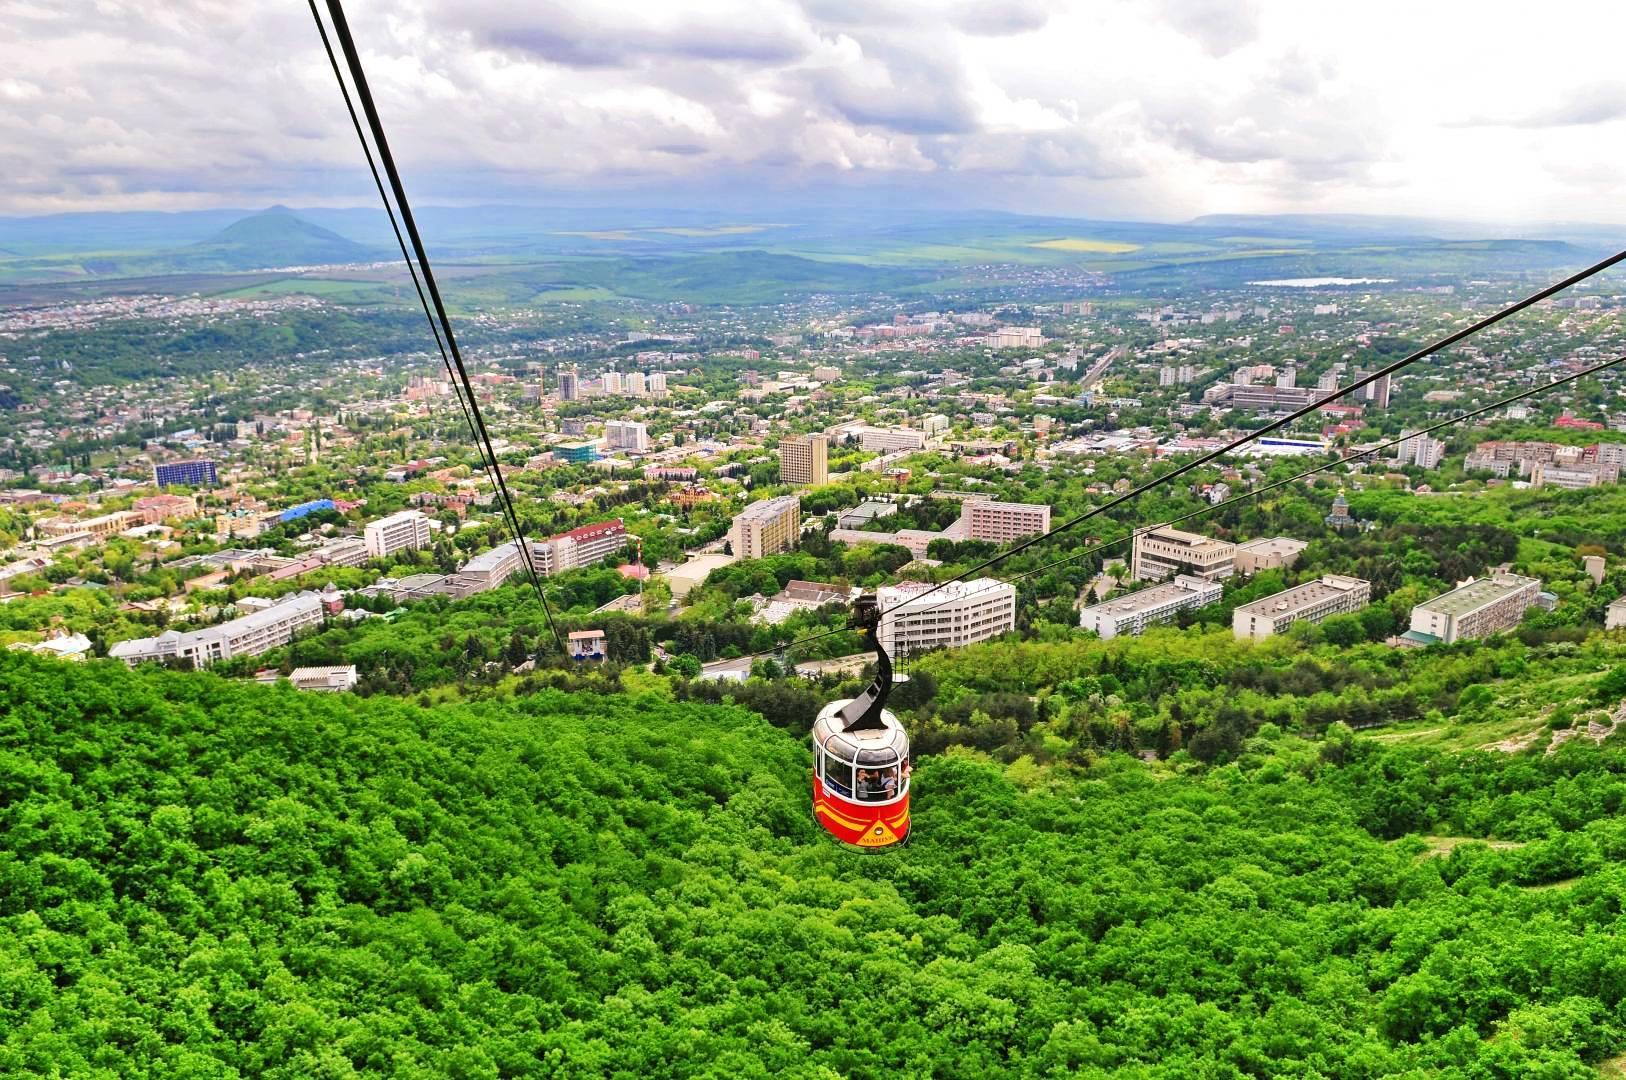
{"x":1110,"y":107}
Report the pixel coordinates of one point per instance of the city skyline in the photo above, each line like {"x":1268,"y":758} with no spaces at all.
{"x":1155,"y":112}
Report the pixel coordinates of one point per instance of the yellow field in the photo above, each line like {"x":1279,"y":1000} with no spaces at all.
{"x":1075,"y":243}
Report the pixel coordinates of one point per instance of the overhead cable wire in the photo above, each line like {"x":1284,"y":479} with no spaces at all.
{"x":400,"y":241}
{"x":358,"y":75}
{"x":1281,"y":422}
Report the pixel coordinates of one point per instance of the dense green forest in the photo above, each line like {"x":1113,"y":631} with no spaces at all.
{"x":202,"y":878}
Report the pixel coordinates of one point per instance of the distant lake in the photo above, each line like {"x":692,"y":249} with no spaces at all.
{"x":1317,"y":282}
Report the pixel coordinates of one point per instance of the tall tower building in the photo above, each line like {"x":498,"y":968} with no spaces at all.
{"x":612,"y":382}
{"x":804,"y":459}
{"x":657,"y":384}
{"x":633,"y":381}
{"x":569,"y":385}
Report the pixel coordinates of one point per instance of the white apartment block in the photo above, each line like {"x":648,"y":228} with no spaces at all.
{"x":1002,"y":521}
{"x":633,"y":382}
{"x":626,"y":435}
{"x":1311,"y":602}
{"x":886,"y":440}
{"x":1476,"y":609}
{"x":1016,"y":337}
{"x":250,"y":635}
{"x":935,"y":424}
{"x":406,"y":531}
{"x":612,"y":382}
{"x":958,"y":614}
{"x":766,"y":528}
{"x":657,"y":384}
{"x":1163,"y":552}
{"x":584,"y":546}
{"x":1134,"y":612}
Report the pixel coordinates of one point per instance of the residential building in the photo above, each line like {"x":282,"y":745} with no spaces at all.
{"x":569,"y":385}
{"x":1614,"y":616}
{"x":1162,"y":552}
{"x":611,"y":381}
{"x":323,"y":680}
{"x":958,"y":614}
{"x":657,"y":384}
{"x":826,"y":373}
{"x":198,"y":473}
{"x":766,"y":528}
{"x":1420,"y":450}
{"x":1134,"y":612}
{"x":634,"y":383}
{"x":999,"y":522}
{"x":626,"y":435}
{"x":1311,"y":602}
{"x":406,"y":531}
{"x":1016,"y":337}
{"x":1272,"y":553}
{"x":248,"y":635}
{"x":1475,"y":609}
{"x":935,"y":424}
{"x":804,"y":460}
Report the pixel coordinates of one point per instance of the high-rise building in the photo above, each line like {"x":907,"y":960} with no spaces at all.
{"x":569,"y":385}
{"x":961,"y":613}
{"x":633,"y":381}
{"x":1162,"y":552}
{"x":657,"y":384}
{"x":1328,"y":381}
{"x":1421,"y":450}
{"x":1377,"y":392}
{"x":804,"y":459}
{"x":826,"y":373}
{"x":999,"y":522}
{"x":1134,"y":612}
{"x":766,"y":528}
{"x":198,"y":473}
{"x":626,"y":435}
{"x":406,"y":531}
{"x":585,"y":546}
{"x":1311,"y":602}
{"x":612,"y":382}
{"x":1476,"y":609}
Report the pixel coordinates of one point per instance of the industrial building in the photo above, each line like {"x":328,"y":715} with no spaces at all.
{"x":1332,"y":594}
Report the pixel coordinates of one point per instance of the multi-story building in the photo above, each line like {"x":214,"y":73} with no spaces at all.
{"x":569,"y":385}
{"x":958,"y":614}
{"x":611,"y":381}
{"x":406,"y":531}
{"x":657,"y":384}
{"x":198,"y":473}
{"x":826,"y":373}
{"x":99,"y":528}
{"x":767,"y":528}
{"x":999,"y":522}
{"x":1269,"y":553}
{"x":804,"y":459}
{"x":576,"y":453}
{"x":159,"y":508}
{"x":1421,"y":450}
{"x":1134,"y":612}
{"x":886,"y":440}
{"x":626,"y":435}
{"x":634,"y":383}
{"x":249,"y":635}
{"x":1311,"y":602}
{"x":1162,"y":552}
{"x":584,"y":546}
{"x":1016,"y":337}
{"x":1574,"y":477}
{"x":1476,"y":609}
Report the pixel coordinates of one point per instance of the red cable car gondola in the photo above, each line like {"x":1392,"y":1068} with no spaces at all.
{"x":861,"y":757}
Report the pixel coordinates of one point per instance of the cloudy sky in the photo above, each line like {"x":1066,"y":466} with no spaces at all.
{"x":1153,"y":109}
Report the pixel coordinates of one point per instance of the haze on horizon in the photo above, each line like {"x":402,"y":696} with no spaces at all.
{"x":1162,"y":110}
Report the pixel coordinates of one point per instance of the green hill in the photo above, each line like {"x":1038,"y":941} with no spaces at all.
{"x":202,"y":878}
{"x":276,"y":237}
